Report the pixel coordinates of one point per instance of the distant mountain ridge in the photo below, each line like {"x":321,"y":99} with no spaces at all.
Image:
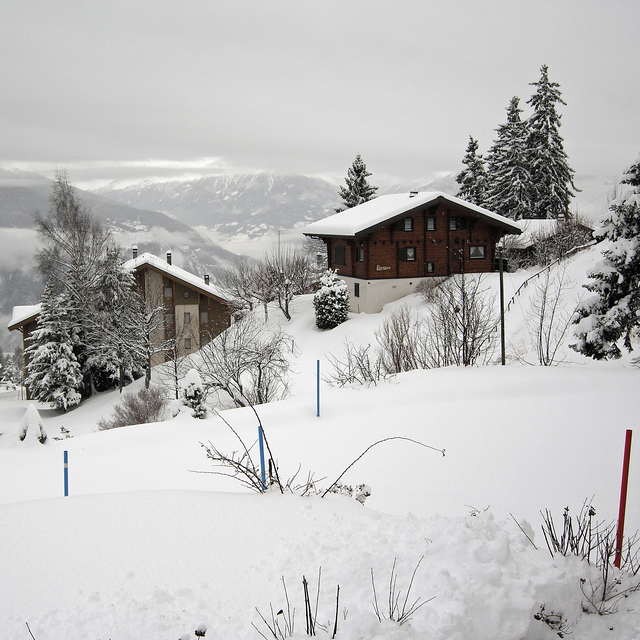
{"x":250,"y":205}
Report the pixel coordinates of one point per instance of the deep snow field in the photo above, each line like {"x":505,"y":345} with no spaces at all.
{"x":145,"y":547}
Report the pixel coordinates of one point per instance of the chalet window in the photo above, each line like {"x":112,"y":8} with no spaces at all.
{"x":187,"y":343}
{"x":168,"y":291}
{"x":356,"y":289}
{"x":431,"y":267}
{"x":431,"y":224}
{"x":477,"y":252}
{"x":457,"y":223}
{"x":407,"y":224}
{"x":359,"y":254}
{"x":338,"y":254}
{"x":407,"y":254}
{"x":187,"y":317}
{"x":204,"y":317}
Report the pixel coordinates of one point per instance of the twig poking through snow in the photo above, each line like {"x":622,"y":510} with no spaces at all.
{"x":442,"y":451}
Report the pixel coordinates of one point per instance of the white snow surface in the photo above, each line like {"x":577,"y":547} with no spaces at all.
{"x":146,"y":547}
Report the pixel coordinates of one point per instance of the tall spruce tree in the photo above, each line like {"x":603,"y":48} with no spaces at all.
{"x":551,"y":176}
{"x":613,"y":312}
{"x":115,"y":345}
{"x":509,"y":179}
{"x":54,"y":373}
{"x":358,"y":189}
{"x":473,"y":178}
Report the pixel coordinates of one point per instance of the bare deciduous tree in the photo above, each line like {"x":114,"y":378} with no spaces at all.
{"x":248,"y":362}
{"x":549,"y":321}
{"x":461,"y":330}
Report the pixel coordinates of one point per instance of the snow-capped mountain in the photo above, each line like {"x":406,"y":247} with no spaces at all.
{"x":250,"y":205}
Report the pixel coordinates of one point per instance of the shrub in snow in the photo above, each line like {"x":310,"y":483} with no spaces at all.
{"x":331,"y":301}
{"x":31,"y":427}
{"x":193,"y":394}
{"x":147,"y":405}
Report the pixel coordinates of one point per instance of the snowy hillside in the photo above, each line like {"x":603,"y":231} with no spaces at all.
{"x":146,"y":547}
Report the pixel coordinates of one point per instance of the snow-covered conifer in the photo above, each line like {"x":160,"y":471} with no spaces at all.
{"x":193,"y":394}
{"x":358,"y":189}
{"x":473,"y":178}
{"x":115,"y":342}
{"x":551,"y":176}
{"x":508,"y":176}
{"x":31,"y":427}
{"x":54,"y":374}
{"x":613,"y":312}
{"x":331,"y":301}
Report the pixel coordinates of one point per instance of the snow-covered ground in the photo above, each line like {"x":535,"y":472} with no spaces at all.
{"x":146,"y":547}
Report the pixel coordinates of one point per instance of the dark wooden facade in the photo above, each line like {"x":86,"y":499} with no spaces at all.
{"x":437,"y":240}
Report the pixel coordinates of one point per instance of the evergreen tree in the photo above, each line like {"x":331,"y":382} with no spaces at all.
{"x":115,"y":345}
{"x":473,"y":179}
{"x":70,"y":260}
{"x":358,"y":189}
{"x":509,"y":179}
{"x":613,"y":312}
{"x":54,"y":373}
{"x":551,"y":176}
{"x":331,"y":301}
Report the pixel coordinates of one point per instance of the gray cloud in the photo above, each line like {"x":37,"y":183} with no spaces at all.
{"x":112,"y":89}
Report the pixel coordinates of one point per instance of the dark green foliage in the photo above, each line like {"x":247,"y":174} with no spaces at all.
{"x":509,"y":179}
{"x":551,"y":176}
{"x":613,"y":312}
{"x":473,"y":179}
{"x":331,"y":301}
{"x":358,"y":189}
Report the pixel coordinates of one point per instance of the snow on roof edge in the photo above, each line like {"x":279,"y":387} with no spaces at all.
{"x":376,"y":212}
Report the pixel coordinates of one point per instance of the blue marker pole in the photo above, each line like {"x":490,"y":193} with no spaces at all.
{"x":261,"y":441}
{"x":66,"y":473}
{"x":318,"y":389}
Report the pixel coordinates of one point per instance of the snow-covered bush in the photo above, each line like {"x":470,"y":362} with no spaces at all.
{"x":147,"y":405}
{"x":193,"y":394}
{"x":331,"y":301}
{"x":31,"y":427}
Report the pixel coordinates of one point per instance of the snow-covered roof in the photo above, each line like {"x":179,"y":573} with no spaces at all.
{"x":21,"y":314}
{"x":175,"y":272}
{"x":382,"y":210}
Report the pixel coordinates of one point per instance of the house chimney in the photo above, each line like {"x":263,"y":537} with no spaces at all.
{"x":413,"y":194}
{"x":206,"y":279}
{"x":135,"y":251}
{"x":168,"y":257}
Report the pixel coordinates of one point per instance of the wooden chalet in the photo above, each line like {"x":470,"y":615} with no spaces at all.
{"x":384,"y":247}
{"x":194,"y":310}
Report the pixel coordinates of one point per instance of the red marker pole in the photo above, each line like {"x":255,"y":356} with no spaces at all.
{"x":623,"y":497}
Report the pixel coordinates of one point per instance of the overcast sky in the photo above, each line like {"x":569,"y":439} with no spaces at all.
{"x":124,"y":89}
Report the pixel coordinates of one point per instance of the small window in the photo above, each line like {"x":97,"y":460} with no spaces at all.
{"x":359,"y":254}
{"x":168,"y":291}
{"x":204,"y":317}
{"x":477,"y":252}
{"x":431,"y":224}
{"x":338,"y":254}
{"x":187,"y":343}
{"x":407,"y":224}
{"x":457,"y":223}
{"x":356,"y":289}
{"x":431,"y":267}
{"x":407,"y":254}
